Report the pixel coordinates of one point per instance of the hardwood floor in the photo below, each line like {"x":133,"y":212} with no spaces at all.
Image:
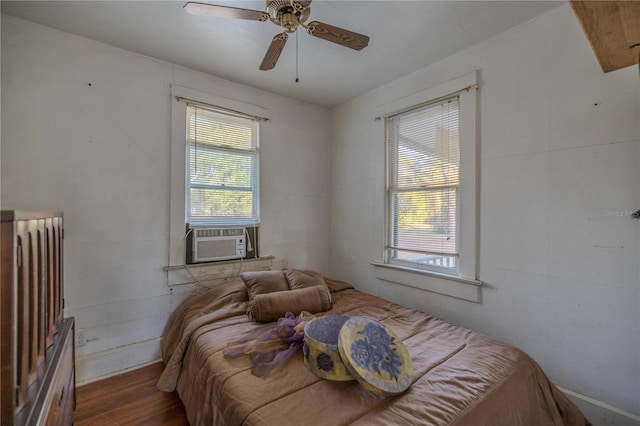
{"x":129,"y":399}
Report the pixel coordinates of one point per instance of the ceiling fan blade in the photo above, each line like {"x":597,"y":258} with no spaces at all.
{"x":305,"y":3}
{"x":273,"y":52}
{"x":338,"y":35}
{"x":207,"y":9}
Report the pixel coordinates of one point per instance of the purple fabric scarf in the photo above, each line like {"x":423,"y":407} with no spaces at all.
{"x":270,"y":346}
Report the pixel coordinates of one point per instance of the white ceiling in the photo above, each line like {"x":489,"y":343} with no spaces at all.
{"x":404,"y":36}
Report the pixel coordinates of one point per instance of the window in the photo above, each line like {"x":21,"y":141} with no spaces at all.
{"x":221,"y":167}
{"x":212,"y":142}
{"x":430,"y":238}
{"x":423,"y":187}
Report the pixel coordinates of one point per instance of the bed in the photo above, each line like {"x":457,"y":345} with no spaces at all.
{"x":461,"y":377}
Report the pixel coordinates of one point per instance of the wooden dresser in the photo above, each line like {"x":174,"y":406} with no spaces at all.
{"x":37,"y":359}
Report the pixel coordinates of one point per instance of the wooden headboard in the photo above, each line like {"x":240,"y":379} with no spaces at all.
{"x":31,"y":319}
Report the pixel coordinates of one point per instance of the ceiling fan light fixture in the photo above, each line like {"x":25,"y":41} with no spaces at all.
{"x":288,"y":22}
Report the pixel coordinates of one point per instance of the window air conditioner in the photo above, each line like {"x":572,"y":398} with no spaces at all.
{"x":211,"y":244}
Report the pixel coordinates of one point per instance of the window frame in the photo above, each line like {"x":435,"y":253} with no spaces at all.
{"x":177,"y":179}
{"x":464,"y":283}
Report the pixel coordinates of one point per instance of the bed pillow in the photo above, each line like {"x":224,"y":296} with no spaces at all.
{"x":303,"y":279}
{"x":261,"y":282}
{"x":269,"y":307}
{"x":337,"y":285}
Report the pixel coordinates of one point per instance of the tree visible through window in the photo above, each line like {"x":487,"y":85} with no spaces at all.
{"x":222,"y":167}
{"x":423,"y":186}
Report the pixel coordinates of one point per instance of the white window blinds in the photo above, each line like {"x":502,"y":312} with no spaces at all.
{"x":222,"y":167}
{"x":423,"y":185}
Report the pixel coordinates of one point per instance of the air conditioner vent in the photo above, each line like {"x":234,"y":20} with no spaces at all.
{"x":218,"y":232}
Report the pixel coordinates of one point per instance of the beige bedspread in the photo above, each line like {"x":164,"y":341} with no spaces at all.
{"x":462,"y":377}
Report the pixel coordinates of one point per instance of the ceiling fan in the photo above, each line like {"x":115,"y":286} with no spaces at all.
{"x":288,"y":14}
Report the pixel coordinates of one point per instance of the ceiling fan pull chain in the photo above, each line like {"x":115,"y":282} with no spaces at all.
{"x":297,"y":79}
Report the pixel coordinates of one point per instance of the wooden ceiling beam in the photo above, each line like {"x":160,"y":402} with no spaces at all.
{"x":613,"y":30}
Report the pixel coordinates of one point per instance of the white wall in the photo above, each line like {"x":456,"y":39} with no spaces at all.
{"x":86,"y":130}
{"x":560,"y":175}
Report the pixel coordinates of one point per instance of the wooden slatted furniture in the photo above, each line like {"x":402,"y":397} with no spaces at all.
{"x":37,"y":367}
